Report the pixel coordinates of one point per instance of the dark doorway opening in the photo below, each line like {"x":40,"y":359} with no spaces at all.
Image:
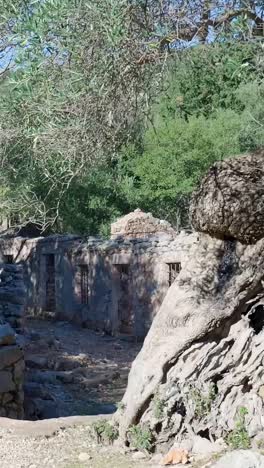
{"x":50,"y":283}
{"x":125,"y":312}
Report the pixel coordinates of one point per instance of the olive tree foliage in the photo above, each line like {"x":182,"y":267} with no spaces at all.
{"x":181,"y":21}
{"x":75,"y":87}
{"x":78,"y":80}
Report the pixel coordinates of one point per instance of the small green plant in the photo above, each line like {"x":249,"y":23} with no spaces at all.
{"x":158,"y":406}
{"x":105,"y":432}
{"x":140,"y":437}
{"x":121,"y":406}
{"x":202,"y":402}
{"x":260,"y":444}
{"x":239,"y":438}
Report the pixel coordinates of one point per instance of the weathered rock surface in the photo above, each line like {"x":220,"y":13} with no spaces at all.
{"x":10,"y":355}
{"x":202,"y":360}
{"x":7,"y":335}
{"x":11,"y":379}
{"x":240,"y":459}
{"x":6,"y":382}
{"x":203,"y":446}
{"x":210,"y":381}
{"x":37,"y":362}
{"x":12,"y":295}
{"x":230,"y":200}
{"x":140,"y":225}
{"x":12,"y":366}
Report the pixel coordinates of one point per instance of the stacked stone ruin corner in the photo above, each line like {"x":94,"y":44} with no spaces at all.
{"x":12,"y":364}
{"x":113,"y":285}
{"x":202,"y":360}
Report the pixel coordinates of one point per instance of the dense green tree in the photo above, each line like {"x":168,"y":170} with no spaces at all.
{"x":91,"y":204}
{"x":212,"y":109}
{"x":78,"y":82}
{"x":76,"y":91}
{"x":203,"y":79}
{"x":175,"y":156}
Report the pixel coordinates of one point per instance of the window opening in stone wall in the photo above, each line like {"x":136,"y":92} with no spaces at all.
{"x":84,"y":284}
{"x":123,"y":269}
{"x":125,"y":313}
{"x":50,"y":283}
{"x":174,"y":270}
{"x":8,"y":259}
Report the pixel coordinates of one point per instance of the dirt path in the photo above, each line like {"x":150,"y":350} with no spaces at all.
{"x":70,"y":448}
{"x":71,"y":371}
{"x":68,"y":443}
{"x":74,"y":371}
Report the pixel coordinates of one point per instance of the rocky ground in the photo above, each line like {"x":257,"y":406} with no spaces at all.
{"x":68,"y":443}
{"x":69,"y":448}
{"x":74,"y":371}
{"x":28,"y":447}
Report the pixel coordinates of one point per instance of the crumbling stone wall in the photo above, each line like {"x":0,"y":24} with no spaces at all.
{"x":12,"y":305}
{"x":11,"y":374}
{"x":147,"y":263}
{"x":81,"y":279}
{"x":12,"y":295}
{"x":141,"y":244}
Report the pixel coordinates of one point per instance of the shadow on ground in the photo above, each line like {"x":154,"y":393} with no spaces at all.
{"x":74,"y":371}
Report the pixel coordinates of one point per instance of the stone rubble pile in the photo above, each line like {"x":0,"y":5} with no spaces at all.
{"x":141,"y":225}
{"x":11,"y":374}
{"x":12,"y":365}
{"x":12,"y":295}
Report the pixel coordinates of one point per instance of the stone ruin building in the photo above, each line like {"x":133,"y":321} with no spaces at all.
{"x":114,"y":285}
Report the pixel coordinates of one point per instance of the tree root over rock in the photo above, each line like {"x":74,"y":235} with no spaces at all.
{"x":203,"y":357}
{"x":207,"y":386}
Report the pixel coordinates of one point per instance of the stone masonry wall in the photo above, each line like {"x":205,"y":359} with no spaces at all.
{"x":147,"y":260}
{"x":12,"y":304}
{"x":12,"y":295}
{"x":11,"y":374}
{"x":114,"y":285}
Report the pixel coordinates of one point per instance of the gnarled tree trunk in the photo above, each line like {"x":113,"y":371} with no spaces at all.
{"x":203,"y":357}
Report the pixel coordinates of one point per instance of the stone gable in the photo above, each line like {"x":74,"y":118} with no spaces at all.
{"x":141,"y":225}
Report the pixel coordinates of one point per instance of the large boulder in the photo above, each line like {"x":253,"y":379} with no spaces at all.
{"x":230,"y":200}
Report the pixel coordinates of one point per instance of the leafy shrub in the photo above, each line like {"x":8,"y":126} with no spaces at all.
{"x":105,"y":432}
{"x":260,"y":444}
{"x":140,"y":437}
{"x":121,"y":406}
{"x":202,"y":402}
{"x":159,"y":406}
{"x":239,"y":438}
